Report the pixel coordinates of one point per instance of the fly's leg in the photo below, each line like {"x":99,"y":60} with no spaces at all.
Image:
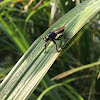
{"x":45,"y":47}
{"x":59,"y":38}
{"x":66,"y":41}
{"x":66,"y":38}
{"x":55,"y":45}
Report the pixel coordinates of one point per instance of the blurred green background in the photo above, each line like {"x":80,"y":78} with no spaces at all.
{"x":23,"y":21}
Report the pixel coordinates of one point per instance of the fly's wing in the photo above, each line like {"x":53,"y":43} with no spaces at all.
{"x":59,"y":30}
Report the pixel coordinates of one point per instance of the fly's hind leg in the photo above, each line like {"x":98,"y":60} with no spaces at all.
{"x":65,"y":42}
{"x":65,"y":37}
{"x":55,"y":45}
{"x":59,"y":38}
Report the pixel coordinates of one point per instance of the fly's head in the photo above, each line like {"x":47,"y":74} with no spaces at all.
{"x":46,"y":39}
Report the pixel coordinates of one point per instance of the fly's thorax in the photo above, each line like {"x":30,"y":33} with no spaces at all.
{"x":58,"y":35}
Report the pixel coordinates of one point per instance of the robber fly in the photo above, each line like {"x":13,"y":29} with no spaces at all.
{"x":52,"y":36}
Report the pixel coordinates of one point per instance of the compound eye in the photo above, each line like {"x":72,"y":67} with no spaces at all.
{"x":44,"y":38}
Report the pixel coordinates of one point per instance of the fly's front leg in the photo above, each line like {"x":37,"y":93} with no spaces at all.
{"x":45,"y":46}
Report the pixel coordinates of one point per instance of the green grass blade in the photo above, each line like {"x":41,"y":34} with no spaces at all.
{"x":69,"y":72}
{"x":5,"y":2}
{"x":53,"y":94}
{"x":34,"y":64}
{"x":53,"y":11}
{"x":23,"y":40}
{"x":48,"y":89}
{"x":73,"y":91}
{"x":34,"y":11}
{"x":18,"y":40}
{"x":62,"y":84}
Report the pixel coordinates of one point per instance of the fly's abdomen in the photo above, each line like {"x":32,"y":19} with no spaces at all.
{"x":60,"y":30}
